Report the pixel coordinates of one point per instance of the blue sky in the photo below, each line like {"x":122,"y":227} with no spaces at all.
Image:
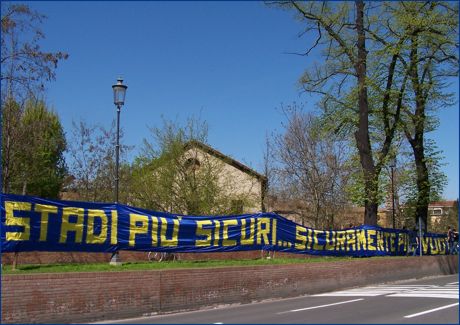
{"x":223,"y":61}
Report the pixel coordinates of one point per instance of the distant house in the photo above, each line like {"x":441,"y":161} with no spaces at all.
{"x":236,"y":178}
{"x":438,"y":213}
{"x":438,"y":210}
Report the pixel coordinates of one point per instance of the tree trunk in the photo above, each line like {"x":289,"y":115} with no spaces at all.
{"x":423,"y":186}
{"x":417,"y":141}
{"x":362,"y":135}
{"x":423,"y":182}
{"x":370,"y":213}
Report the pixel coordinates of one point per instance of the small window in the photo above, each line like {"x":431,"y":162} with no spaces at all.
{"x":437,"y":212}
{"x":192,"y":163}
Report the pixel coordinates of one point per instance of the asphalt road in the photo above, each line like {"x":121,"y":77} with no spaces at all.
{"x":426,"y":301}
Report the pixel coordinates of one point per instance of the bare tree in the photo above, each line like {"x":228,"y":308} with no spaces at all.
{"x":311,"y":165}
{"x":91,"y":162}
{"x":25,"y":67}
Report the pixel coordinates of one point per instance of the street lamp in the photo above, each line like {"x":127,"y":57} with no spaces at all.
{"x":392,"y":166}
{"x":119,"y":93}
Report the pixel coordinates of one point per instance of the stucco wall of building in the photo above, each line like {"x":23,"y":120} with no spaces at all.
{"x":232,"y":180}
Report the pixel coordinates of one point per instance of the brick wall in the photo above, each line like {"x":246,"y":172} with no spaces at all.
{"x":78,"y":297}
{"x":82,"y":297}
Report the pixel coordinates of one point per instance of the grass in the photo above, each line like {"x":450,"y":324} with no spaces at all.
{"x":137,"y":266}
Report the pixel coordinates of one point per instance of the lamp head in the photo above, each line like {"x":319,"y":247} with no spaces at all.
{"x":119,"y":92}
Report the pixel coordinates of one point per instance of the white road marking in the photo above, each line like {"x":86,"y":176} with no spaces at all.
{"x":218,"y":323}
{"x":449,"y":291}
{"x":426,"y":295}
{"x":431,"y":310}
{"x":453,"y":283}
{"x":321,"y":306}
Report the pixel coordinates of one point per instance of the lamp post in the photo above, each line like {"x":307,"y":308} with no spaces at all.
{"x":119,"y":93}
{"x":392,"y":166}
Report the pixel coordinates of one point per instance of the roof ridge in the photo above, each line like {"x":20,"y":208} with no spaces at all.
{"x":216,"y":153}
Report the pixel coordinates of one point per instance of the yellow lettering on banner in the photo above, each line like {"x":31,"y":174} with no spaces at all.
{"x":384,"y":241}
{"x":114,"y":228}
{"x":434,"y":247}
{"x":371,"y":243}
{"x":362,"y":239}
{"x":425,"y":243}
{"x":316,"y":245}
{"x":300,"y":238}
{"x":44,"y":210}
{"x":387,"y":241}
{"x":226,"y":241}
{"x":330,"y":241}
{"x":216,"y":232}
{"x":435,"y":250}
{"x":274,"y":231}
{"x":402,"y":240}
{"x":250,"y":239}
{"x":439,"y":246}
{"x":201,"y":231}
{"x":309,"y":237}
{"x":91,"y":238}
{"x":340,"y":241}
{"x":11,"y":220}
{"x":393,"y":247}
{"x":262,"y":233}
{"x":165,"y":242}
{"x":67,"y":226}
{"x":155,"y":226}
{"x":389,"y":238}
{"x":443,"y":245}
{"x":380,"y":241}
{"x":138,"y":225}
{"x":351,"y":240}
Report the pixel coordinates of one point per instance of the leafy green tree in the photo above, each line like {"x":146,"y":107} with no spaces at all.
{"x":432,"y":58}
{"x":357,"y":81}
{"x":408,"y":178}
{"x":34,"y":161}
{"x":428,"y":58}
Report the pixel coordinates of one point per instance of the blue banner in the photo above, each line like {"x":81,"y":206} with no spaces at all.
{"x":35,"y":224}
